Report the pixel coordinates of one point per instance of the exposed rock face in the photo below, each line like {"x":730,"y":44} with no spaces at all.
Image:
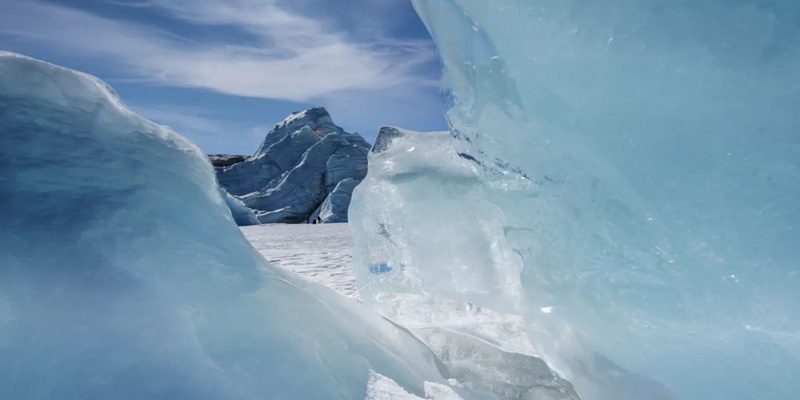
{"x":225,"y":160}
{"x":300,"y":164}
{"x":385,"y":136}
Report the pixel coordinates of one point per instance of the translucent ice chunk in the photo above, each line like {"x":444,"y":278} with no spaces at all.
{"x":659,"y":228}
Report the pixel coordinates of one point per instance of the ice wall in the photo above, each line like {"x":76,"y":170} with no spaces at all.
{"x":659,"y":233}
{"x":123,"y":276}
{"x":431,"y":256}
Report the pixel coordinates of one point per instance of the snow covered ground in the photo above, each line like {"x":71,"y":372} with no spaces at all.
{"x":321,"y":253}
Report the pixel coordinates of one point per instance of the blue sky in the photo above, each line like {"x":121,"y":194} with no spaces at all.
{"x":222,"y":72}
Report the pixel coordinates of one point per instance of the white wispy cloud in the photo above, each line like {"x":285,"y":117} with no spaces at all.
{"x":191,"y":119}
{"x":289,"y":57}
{"x":208,"y":131}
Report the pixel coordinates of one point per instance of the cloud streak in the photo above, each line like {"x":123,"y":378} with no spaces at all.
{"x":289,"y":57}
{"x":185,"y":119}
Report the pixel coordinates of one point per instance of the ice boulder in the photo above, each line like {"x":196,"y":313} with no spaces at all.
{"x":410,"y":172}
{"x":448,"y":277}
{"x":114,"y":286}
{"x":653,"y":252}
{"x":297,"y":167}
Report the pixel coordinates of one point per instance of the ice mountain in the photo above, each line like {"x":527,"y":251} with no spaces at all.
{"x":629,"y":192}
{"x":114,"y":286}
{"x":304,"y":171}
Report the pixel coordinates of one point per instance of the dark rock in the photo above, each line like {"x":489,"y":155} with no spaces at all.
{"x":334,"y":208}
{"x":385,"y":137}
{"x":225,"y":160}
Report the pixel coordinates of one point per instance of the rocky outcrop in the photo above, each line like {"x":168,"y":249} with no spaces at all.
{"x":297,"y":169}
{"x":385,"y":137}
{"x":225,"y":160}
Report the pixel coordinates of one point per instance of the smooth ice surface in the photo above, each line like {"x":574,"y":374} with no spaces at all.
{"x":643,"y":213}
{"x":242,"y":215}
{"x":123,"y":276}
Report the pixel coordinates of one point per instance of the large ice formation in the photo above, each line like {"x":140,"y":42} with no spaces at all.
{"x":334,"y":208}
{"x":297,"y":170}
{"x":242,"y":215}
{"x":623,"y":175}
{"x":438,"y":270}
{"x":123,"y":276}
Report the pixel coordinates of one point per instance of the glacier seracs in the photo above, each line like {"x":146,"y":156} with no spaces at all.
{"x":123,"y":275}
{"x":297,"y":169}
{"x":242,"y":215}
{"x":653,"y":248}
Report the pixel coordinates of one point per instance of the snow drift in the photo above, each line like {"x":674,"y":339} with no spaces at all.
{"x":122,"y":274}
{"x":627,"y":181}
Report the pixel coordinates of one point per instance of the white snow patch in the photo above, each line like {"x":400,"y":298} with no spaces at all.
{"x":320,"y":253}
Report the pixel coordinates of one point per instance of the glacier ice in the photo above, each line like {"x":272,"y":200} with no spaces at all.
{"x":242,"y":215}
{"x":297,"y":169}
{"x":123,"y":276}
{"x":384,"y":388}
{"x":336,"y":204}
{"x":623,"y":175}
{"x":428,"y":276}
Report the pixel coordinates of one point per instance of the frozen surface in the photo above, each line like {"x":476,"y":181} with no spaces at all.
{"x":625,"y":178}
{"x":123,"y":275}
{"x":320,"y":253}
{"x":486,"y":356}
{"x":383,"y":388}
